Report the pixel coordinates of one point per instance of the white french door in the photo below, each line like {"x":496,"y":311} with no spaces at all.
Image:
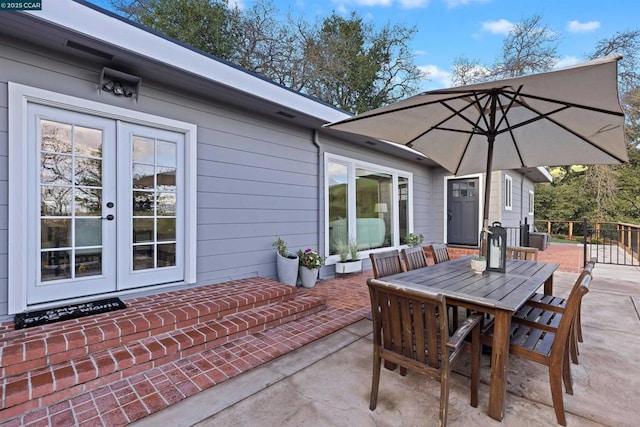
{"x":151,"y":200}
{"x":106,"y":204}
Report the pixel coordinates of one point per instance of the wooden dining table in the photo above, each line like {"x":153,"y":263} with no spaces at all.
{"x":496,"y":293}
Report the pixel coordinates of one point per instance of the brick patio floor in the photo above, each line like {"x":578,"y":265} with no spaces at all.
{"x":125,"y":401}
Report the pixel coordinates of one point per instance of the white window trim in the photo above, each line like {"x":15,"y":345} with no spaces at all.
{"x":352,"y":164}
{"x":531,"y":202}
{"x":508,"y":201}
{"x":19,"y":96}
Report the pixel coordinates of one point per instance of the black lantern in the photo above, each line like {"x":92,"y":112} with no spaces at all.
{"x":496,"y":248}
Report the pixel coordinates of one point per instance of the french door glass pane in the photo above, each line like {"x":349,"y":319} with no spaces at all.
{"x":88,"y":172}
{"x":143,"y":230}
{"x":54,"y":265}
{"x":154,"y":198}
{"x":167,"y":255}
{"x":70,"y":200}
{"x":88,"y":262}
{"x":167,"y":204}
{"x":55,"y":201}
{"x":56,"y":169}
{"x":88,"y":141}
{"x":143,"y":203}
{"x":56,"y":233}
{"x":143,"y":257}
{"x":88,"y":232}
{"x":88,"y":201}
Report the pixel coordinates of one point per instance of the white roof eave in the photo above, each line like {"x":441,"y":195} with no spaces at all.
{"x":92,"y":23}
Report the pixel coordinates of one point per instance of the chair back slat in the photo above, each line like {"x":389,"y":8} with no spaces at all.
{"x":440,"y":253}
{"x":385,"y":263}
{"x":414,"y":257}
{"x":410,"y":324}
{"x":523,"y":253}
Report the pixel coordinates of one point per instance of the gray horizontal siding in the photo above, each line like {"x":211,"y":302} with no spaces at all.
{"x":257,"y":178}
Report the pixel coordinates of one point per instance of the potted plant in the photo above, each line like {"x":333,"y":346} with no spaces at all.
{"x":346,"y":264}
{"x":414,"y":240}
{"x":286,"y":263}
{"x":478,"y":264}
{"x":310,"y":263}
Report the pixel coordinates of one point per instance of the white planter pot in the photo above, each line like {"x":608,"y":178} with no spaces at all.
{"x":287,"y":269}
{"x":308,"y":276}
{"x":478,"y":266}
{"x":348,"y":267}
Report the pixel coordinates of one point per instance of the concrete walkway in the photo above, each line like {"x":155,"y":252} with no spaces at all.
{"x":327,"y":383}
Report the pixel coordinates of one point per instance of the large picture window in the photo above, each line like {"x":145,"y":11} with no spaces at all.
{"x":366,"y":204}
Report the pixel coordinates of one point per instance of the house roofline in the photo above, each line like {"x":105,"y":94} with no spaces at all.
{"x":96,"y":23}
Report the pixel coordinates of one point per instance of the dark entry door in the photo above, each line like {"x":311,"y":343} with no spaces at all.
{"x":462,"y":211}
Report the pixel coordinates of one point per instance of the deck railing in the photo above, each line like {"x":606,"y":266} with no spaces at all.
{"x":609,"y":242}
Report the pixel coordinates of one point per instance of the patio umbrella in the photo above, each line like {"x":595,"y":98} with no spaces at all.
{"x":563,"y":117}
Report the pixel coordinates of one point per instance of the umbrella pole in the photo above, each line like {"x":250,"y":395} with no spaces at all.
{"x":487,"y":193}
{"x":487,"y":183}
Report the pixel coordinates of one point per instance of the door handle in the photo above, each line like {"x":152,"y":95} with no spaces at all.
{"x":108,"y":217}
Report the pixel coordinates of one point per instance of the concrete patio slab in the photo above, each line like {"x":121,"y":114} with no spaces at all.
{"x":327,"y":383}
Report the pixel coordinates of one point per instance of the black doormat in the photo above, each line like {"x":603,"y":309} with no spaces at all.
{"x":73,"y":311}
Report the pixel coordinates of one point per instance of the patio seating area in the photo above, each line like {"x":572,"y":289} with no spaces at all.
{"x":311,"y":357}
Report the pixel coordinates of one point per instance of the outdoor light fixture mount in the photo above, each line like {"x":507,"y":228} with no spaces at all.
{"x":119,"y":83}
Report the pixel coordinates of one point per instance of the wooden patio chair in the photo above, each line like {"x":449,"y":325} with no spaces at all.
{"x":414,"y":258}
{"x":410,"y":329}
{"x":523,"y":253}
{"x":549,"y":345}
{"x":440,"y":253}
{"x":386,"y":263}
{"x":552,"y":303}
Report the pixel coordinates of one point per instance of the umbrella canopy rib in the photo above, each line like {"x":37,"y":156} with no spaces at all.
{"x":546,"y":116}
{"x":466,"y":147}
{"x":515,"y":143}
{"x":566,"y":103}
{"x":455,"y":113}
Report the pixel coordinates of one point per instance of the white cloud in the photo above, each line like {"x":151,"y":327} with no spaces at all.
{"x":566,"y":61}
{"x":372,"y":2}
{"x":582,"y":27}
{"x":413,"y":4}
{"x":501,"y":26}
{"x":420,"y":52}
{"x":437,"y":77}
{"x":456,"y":3}
{"x":407,"y":4}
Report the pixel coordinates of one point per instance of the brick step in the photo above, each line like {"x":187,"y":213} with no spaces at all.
{"x":28,"y":349}
{"x":83,"y":373}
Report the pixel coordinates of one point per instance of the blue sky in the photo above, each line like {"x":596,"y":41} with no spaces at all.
{"x":476,"y":28}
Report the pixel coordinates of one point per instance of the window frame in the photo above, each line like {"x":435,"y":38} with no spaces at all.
{"x":508,"y":193}
{"x":531,"y":202}
{"x":353,"y":164}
